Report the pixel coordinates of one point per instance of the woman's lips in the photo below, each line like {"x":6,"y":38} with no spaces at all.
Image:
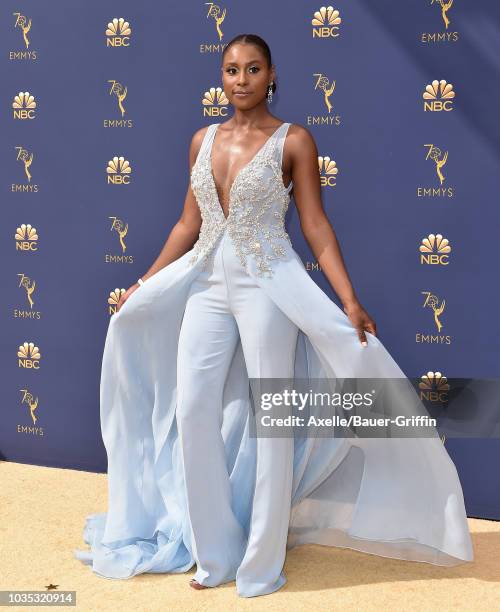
{"x":242,"y":95}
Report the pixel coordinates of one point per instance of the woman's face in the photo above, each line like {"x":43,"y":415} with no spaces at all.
{"x":245,"y":70}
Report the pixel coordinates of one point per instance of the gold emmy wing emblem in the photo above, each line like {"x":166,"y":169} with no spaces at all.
{"x":439,"y":158}
{"x":326,"y":22}
{"x":29,"y":286}
{"x":27,"y":159}
{"x":121,"y":229}
{"x":432,"y":301}
{"x":31,"y":402}
{"x":328,"y":171}
{"x":434,"y":249}
{"x":445,"y":7}
{"x":214,"y":11}
{"x":25,"y":26}
{"x":120,"y":91}
{"x":323,"y":83}
{"x":24,"y":105}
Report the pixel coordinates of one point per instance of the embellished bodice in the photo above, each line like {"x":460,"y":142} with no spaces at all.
{"x":258,"y":201}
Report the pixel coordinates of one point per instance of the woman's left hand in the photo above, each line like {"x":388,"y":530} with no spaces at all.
{"x":361,"y":321}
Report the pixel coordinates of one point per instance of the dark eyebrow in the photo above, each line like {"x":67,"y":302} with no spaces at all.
{"x":255,"y":61}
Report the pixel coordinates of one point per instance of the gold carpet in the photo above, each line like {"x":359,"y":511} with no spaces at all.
{"x":42,"y":516}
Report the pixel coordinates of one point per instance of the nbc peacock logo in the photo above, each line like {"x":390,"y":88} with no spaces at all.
{"x":24,"y":105}
{"x":434,"y":387}
{"x":328,"y":171}
{"x":326,"y":22}
{"x":26,"y":238}
{"x":28,"y":356}
{"x":438,"y":96}
{"x":435,"y":250}
{"x":118,"y":33}
{"x":214,"y":103}
{"x":118,"y":171}
{"x":114,"y":298}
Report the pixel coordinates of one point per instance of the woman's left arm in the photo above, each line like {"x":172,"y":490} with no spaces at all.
{"x":318,"y":230}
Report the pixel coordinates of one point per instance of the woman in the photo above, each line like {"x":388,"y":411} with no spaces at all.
{"x":228,"y":301}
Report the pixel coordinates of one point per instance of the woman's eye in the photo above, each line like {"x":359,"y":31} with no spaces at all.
{"x":230,"y":70}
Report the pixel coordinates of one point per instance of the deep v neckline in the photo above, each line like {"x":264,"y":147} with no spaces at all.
{"x":251,"y":160}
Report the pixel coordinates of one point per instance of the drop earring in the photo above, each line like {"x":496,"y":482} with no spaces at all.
{"x":270,"y":92}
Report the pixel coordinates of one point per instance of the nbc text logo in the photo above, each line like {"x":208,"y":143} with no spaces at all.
{"x":328,"y":171}
{"x":24,"y":105}
{"x":118,"y":170}
{"x":326,"y":23}
{"x":434,"y":250}
{"x":26,"y":238}
{"x":28,"y":356}
{"x":215,"y":103}
{"x":434,"y":387}
{"x":438,"y":96}
{"x":118,"y":33}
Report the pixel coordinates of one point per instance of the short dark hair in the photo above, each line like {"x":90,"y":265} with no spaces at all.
{"x":259,"y":42}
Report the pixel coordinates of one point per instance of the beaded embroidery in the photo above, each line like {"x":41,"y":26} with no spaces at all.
{"x":257,"y":207}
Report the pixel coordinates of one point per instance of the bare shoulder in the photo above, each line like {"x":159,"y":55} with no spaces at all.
{"x":300,"y":139}
{"x":300,"y":133}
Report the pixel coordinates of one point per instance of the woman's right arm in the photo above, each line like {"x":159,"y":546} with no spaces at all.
{"x":186,"y":230}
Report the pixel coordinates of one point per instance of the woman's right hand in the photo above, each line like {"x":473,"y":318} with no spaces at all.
{"x":126,"y":295}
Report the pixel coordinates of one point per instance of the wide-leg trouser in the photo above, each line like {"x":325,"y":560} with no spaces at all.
{"x":224,"y":301}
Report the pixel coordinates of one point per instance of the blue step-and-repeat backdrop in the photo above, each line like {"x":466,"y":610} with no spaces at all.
{"x":99,"y":102}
